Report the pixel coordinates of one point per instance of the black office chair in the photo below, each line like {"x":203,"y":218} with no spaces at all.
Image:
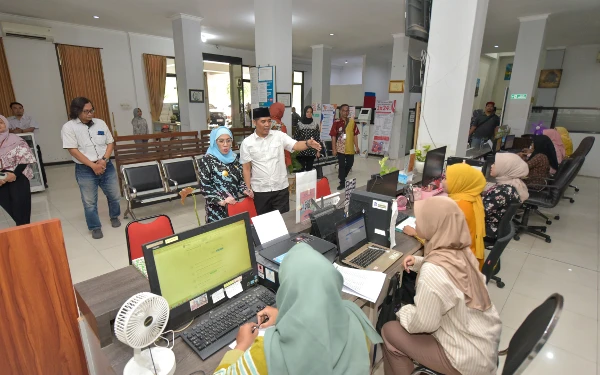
{"x":584,"y":148}
{"x":548,"y":197}
{"x":528,"y":340}
{"x":506,"y":231}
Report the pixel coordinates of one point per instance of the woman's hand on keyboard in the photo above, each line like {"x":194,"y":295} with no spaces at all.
{"x":246,"y":336}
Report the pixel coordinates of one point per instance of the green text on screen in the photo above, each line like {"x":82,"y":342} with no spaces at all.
{"x":190,"y":267}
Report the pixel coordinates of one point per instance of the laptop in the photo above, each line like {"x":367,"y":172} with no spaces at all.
{"x":356,"y":251}
{"x":276,"y":250}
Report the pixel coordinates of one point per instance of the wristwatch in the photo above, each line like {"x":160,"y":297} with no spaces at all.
{"x":105,"y":159}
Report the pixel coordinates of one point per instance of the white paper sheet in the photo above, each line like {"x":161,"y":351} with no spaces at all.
{"x":269,"y":226}
{"x":261,"y":332}
{"x":362,"y":283}
{"x":411,"y":222}
{"x":234,"y":289}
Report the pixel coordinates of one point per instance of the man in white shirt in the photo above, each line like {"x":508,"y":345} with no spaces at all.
{"x":90,"y":143}
{"x":263,"y":160}
{"x":19,"y":122}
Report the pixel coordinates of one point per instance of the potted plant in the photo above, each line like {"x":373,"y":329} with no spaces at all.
{"x":173,"y":119}
{"x":420,"y":155}
{"x":384,"y":168}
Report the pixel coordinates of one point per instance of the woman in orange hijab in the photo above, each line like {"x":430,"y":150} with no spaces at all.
{"x":276,"y":110}
{"x":464,"y":184}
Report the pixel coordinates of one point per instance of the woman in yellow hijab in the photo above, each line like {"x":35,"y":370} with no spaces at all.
{"x":464,"y":185}
{"x":566,"y":140}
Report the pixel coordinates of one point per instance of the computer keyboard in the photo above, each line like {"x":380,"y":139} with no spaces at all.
{"x":368,"y":257}
{"x":401,"y":217}
{"x":218,"y":328}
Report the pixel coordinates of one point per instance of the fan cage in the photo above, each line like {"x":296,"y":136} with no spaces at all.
{"x":141,"y":319}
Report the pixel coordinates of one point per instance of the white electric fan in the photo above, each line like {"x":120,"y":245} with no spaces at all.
{"x":139,"y":323}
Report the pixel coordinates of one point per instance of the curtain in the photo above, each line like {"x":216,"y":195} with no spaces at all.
{"x":82,"y":75}
{"x":156,"y":79}
{"x":7,"y":94}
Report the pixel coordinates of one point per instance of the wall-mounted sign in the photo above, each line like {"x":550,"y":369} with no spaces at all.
{"x":518,"y":96}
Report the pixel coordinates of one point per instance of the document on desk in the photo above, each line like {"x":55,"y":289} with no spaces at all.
{"x":411,"y":222}
{"x":261,"y":332}
{"x":362,"y":283}
{"x":269,"y":226}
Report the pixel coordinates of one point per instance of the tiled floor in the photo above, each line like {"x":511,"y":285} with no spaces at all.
{"x":531,"y":268}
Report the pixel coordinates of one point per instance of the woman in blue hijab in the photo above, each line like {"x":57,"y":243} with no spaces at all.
{"x":221,"y":177}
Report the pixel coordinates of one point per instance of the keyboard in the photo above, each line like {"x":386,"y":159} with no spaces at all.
{"x":401,"y":217}
{"x":366,"y":258}
{"x":218,"y":328}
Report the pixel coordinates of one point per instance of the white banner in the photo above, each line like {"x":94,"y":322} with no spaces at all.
{"x":384,"y":120}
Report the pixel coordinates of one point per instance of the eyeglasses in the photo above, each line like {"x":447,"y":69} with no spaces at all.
{"x":224,"y":141}
{"x":88,"y":112}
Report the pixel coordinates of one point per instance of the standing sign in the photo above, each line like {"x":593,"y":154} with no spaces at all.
{"x":384,"y":120}
{"x":306,"y":190}
{"x":266,"y":86}
{"x":327,"y":116}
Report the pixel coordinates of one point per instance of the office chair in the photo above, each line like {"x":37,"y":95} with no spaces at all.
{"x":584,"y":148}
{"x":323,"y":188}
{"x":548,"y":197}
{"x":506,"y":231}
{"x":528,"y":340}
{"x":143,"y":231}
{"x":245,"y":205}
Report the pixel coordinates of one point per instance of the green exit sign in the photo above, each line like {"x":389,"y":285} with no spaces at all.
{"x":518,"y":96}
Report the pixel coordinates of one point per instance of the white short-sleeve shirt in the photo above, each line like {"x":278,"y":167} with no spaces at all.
{"x":269,"y":172}
{"x":23,"y":123}
{"x":91,"y":141}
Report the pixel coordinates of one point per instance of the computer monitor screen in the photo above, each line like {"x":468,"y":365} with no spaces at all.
{"x":351,"y":233}
{"x":508,"y":144}
{"x":364,"y":111}
{"x":434,"y":165}
{"x":190,"y":267}
{"x":385,"y":185}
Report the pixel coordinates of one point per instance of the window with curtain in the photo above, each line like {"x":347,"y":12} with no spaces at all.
{"x":7,"y":94}
{"x":82,"y":75}
{"x":156,"y":76}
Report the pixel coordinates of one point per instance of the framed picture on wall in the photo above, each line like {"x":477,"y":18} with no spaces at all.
{"x":196,"y":96}
{"x":550,"y":78}
{"x":285,"y":98}
{"x":396,"y":87}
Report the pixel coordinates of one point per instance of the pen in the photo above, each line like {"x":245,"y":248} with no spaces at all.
{"x":258,"y":326}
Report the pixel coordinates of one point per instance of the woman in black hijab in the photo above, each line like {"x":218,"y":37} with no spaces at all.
{"x":308,"y":127}
{"x":541,"y":159}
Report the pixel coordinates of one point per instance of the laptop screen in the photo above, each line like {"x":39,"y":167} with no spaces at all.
{"x":510,"y":139}
{"x":351,"y":233}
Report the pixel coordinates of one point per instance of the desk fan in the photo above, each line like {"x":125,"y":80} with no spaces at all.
{"x":139,"y":322}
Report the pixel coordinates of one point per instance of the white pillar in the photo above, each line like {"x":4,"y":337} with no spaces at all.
{"x":273,"y":44}
{"x":490,"y":82}
{"x":403,"y":46}
{"x":526,"y":71}
{"x":321,"y":74}
{"x":454,"y":48}
{"x":189,"y":66}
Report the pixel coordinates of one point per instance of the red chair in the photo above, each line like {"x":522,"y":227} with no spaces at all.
{"x":140,"y":232}
{"x":323,"y":188}
{"x":245,"y":205}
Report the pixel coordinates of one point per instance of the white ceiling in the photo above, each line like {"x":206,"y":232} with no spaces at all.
{"x":360,"y":27}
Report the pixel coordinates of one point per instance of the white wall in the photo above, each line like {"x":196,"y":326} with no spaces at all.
{"x":349,"y":94}
{"x":580,"y":82}
{"x":352,"y":75}
{"x":484,"y":68}
{"x":377,"y":78}
{"x":336,"y":75}
{"x":501,"y":84}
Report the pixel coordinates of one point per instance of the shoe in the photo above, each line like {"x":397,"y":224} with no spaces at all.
{"x":115,"y":222}
{"x":97,"y":234}
{"x":341,"y":187}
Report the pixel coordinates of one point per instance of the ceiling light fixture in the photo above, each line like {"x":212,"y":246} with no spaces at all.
{"x":96,"y":17}
{"x":495,"y":46}
{"x":332,"y":34}
{"x":204,"y":37}
{"x":346,"y":62}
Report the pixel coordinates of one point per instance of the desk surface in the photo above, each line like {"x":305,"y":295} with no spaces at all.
{"x":102,"y":297}
{"x":477,"y":153}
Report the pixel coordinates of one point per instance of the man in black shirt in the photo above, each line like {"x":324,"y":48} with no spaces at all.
{"x":485,"y":126}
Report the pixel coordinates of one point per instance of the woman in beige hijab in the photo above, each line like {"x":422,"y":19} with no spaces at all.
{"x":453,"y":327}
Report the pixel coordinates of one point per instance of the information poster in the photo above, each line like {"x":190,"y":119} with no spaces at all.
{"x":327,"y":118}
{"x":266,"y":86}
{"x":384,"y":120}
{"x":306,"y":189}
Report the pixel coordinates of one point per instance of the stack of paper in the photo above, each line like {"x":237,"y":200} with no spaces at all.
{"x":269,"y":226}
{"x":411,"y":222}
{"x":362,"y":283}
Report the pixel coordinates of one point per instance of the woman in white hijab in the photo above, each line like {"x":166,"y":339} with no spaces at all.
{"x":140,"y":126}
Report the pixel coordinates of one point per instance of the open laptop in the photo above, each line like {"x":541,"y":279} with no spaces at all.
{"x":356,"y":251}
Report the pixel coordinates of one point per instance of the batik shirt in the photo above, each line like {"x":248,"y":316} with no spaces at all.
{"x":495,"y":202}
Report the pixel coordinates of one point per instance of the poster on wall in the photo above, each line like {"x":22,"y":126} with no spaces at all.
{"x":327,"y":118}
{"x":266,"y":86}
{"x":477,"y":87}
{"x":306,"y":190}
{"x":508,"y":72}
{"x":384,"y":120}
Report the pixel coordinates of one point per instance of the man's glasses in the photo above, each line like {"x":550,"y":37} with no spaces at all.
{"x":89,"y":112}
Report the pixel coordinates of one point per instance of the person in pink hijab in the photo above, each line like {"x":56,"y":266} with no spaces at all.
{"x":15,"y":173}
{"x":277,"y":110}
{"x":556,"y":139}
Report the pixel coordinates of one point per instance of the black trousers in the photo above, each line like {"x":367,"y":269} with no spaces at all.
{"x":15,"y":198}
{"x":39,"y":152}
{"x":271,"y":201}
{"x":307,"y":162}
{"x":345,"y":163}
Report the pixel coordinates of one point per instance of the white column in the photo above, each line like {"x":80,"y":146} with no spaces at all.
{"x":526,"y":70}
{"x":400,"y":71}
{"x":321,"y":74}
{"x":490,"y":82}
{"x":451,"y":73}
{"x":273,"y":44}
{"x":189,"y":66}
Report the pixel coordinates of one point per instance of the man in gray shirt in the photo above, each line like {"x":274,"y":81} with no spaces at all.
{"x":485,"y":126}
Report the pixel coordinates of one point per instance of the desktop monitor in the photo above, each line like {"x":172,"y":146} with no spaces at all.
{"x":508,"y":143}
{"x":385,"y":185}
{"x":191,"y":269}
{"x":434,"y":165}
{"x":377,"y":209}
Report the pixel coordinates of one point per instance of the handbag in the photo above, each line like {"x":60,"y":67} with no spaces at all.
{"x":390,"y":304}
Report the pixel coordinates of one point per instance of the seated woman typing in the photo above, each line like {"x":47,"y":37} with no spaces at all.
{"x":508,"y":169}
{"x":542,"y":157}
{"x":221,"y":178}
{"x":464,"y":184}
{"x":453,"y":327}
{"x":314,"y":331}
